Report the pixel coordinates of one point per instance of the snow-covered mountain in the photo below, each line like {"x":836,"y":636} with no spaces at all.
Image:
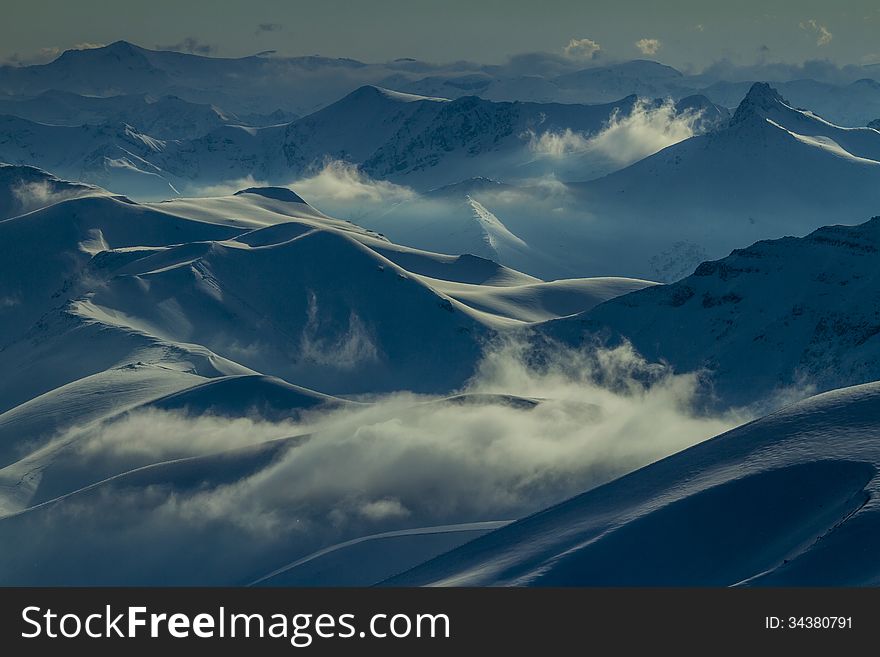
{"x":420,"y":141}
{"x":850,"y":104}
{"x":472,"y":217}
{"x":193,"y":271}
{"x":164,"y":117}
{"x":118,"y":158}
{"x":788,"y":500}
{"x":424,"y":142}
{"x":398,"y":372}
{"x":122,"y":68}
{"x":773,"y":171}
{"x":240,"y":319}
{"x":768,"y":323}
{"x":302,"y":85}
{"x":573,"y":84}
{"x":25,"y":188}
{"x":237,"y":308}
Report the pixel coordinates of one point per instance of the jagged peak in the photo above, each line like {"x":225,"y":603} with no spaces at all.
{"x":761,"y":99}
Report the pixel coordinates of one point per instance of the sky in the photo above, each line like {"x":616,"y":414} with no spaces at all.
{"x":689,"y":34}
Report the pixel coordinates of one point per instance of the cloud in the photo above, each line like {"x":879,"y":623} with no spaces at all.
{"x":822,"y":70}
{"x":625,"y":138}
{"x":42,"y":56}
{"x":822,"y":34}
{"x":150,"y":434}
{"x":558,"y":144}
{"x":534,"y":63}
{"x":86,"y":45}
{"x":227,"y":187}
{"x":355,"y":347}
{"x":648,"y":46}
{"x":644,"y":131}
{"x":336,"y":187}
{"x":537,"y":423}
{"x":582,"y":49}
{"x":48,"y":54}
{"x":419,"y":461}
{"x":190,"y":45}
{"x":341,"y":181}
{"x":264,"y":28}
{"x":42,"y":193}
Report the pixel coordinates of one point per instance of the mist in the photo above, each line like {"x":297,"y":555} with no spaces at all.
{"x":533,"y":427}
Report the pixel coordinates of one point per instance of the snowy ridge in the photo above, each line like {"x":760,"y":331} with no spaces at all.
{"x":795,"y":315}
{"x":778,"y":171}
{"x":787,"y":500}
{"x":165,"y":306}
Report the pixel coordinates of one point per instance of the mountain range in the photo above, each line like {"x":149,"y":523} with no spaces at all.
{"x":550,"y":322}
{"x":302,"y":85}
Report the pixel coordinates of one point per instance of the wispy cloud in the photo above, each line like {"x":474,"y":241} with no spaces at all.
{"x":40,"y":194}
{"x":822,"y":34}
{"x":625,"y":138}
{"x":342,"y":181}
{"x":227,"y":187}
{"x":354,"y":347}
{"x":190,"y":45}
{"x":559,"y":143}
{"x":47,"y":54}
{"x":644,"y":131}
{"x":265,"y":28}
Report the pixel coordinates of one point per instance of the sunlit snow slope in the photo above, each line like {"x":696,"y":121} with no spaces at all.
{"x":787,"y":500}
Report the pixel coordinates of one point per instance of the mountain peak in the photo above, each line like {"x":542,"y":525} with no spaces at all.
{"x":373,"y":91}
{"x":761,"y":99}
{"x":121,"y":47}
{"x":118,"y":51}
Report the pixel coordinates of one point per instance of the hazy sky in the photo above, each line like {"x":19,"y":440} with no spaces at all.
{"x":682,"y":33}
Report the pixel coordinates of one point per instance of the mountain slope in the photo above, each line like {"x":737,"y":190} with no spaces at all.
{"x":777,"y":318}
{"x":26,"y":188}
{"x":786,"y":500}
{"x":774,"y":171}
{"x":165,"y":117}
{"x":425,"y":142}
{"x":118,"y":158}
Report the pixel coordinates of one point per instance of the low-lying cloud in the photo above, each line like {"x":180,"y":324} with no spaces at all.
{"x":625,"y":138}
{"x":192,"y":45}
{"x":644,"y":131}
{"x":335,"y":185}
{"x":558,"y":143}
{"x":342,"y":181}
{"x":38,"y":194}
{"x":533,"y":426}
{"x":228,"y":187}
{"x":151,"y":433}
